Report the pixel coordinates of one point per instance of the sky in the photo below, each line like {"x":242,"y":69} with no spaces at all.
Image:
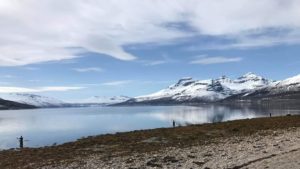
{"x":75,"y":49}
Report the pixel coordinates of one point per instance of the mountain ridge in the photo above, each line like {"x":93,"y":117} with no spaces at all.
{"x":34,"y":100}
{"x":245,"y":87}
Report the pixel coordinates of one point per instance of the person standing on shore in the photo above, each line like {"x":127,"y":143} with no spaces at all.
{"x":21,"y":141}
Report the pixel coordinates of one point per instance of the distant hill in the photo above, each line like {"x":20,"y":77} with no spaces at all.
{"x":101,"y":100}
{"x":24,"y":100}
{"x":34,"y":100}
{"x":8,"y":105}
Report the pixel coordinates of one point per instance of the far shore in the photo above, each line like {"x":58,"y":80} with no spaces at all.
{"x":233,"y":144}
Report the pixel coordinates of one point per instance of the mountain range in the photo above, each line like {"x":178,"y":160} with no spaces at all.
{"x":249,"y":87}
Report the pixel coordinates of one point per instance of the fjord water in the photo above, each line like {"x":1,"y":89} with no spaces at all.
{"x":44,"y":127}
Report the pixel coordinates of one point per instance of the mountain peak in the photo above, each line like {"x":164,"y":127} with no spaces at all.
{"x":253,"y":80}
{"x":224,"y":79}
{"x":250,"y":75}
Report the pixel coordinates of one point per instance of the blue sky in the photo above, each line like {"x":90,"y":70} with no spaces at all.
{"x":87,"y":48}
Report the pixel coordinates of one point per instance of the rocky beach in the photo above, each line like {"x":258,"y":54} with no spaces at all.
{"x":251,"y":143}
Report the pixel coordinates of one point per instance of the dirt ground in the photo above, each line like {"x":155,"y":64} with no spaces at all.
{"x":267,"y":149}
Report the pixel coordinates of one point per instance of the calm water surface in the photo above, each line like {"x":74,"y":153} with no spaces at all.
{"x":41,"y":127}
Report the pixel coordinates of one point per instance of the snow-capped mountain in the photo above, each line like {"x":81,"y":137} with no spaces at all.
{"x":211,"y":90}
{"x":33,"y":99}
{"x":249,"y":81}
{"x":285,"y":90}
{"x":288,"y":85}
{"x":103,"y":100}
{"x":249,"y":87}
{"x":189,"y":89}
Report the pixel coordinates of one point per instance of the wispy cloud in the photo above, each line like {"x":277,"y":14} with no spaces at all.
{"x":34,"y":80}
{"x":155,"y":82}
{"x":290,"y":37}
{"x":156,"y":62}
{"x":58,"y":88}
{"x":88,"y":69}
{"x":164,"y":60}
{"x":205,"y":60}
{"x":124,"y":82}
{"x":38,"y":89}
{"x":84,"y":25}
{"x":117,"y":83}
{"x":31,"y":68}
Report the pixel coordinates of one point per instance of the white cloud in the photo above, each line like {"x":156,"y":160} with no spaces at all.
{"x":34,"y":80}
{"x":31,"y":68}
{"x":204,"y":60}
{"x":164,"y":60}
{"x":156,"y":62}
{"x":36,"y":90}
{"x":58,"y":88}
{"x":155,"y":82}
{"x":89,"y":69}
{"x":116,"y":83}
{"x":35,"y":31}
{"x":245,"y":42}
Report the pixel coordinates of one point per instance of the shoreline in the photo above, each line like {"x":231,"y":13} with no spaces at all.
{"x":120,"y":147}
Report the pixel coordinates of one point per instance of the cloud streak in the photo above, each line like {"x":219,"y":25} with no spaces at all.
{"x":116,"y":83}
{"x":215,"y":60}
{"x":88,"y":69}
{"x":156,"y":62}
{"x":38,"y":90}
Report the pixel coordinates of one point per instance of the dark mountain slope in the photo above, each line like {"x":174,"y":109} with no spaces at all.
{"x":9,"y":105}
